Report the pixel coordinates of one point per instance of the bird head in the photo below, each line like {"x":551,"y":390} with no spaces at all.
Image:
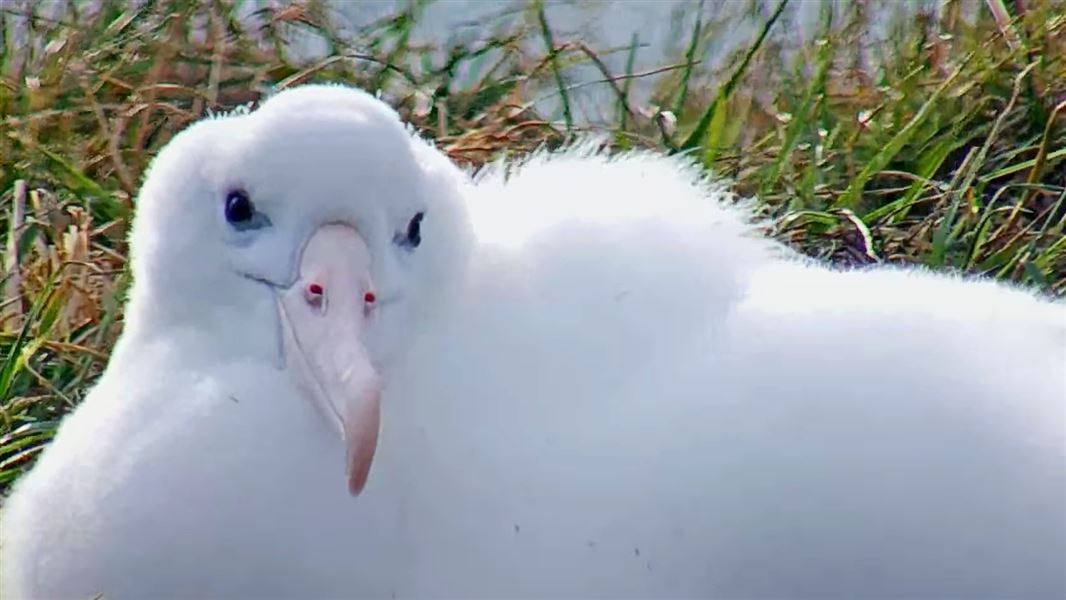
{"x":316,"y":229}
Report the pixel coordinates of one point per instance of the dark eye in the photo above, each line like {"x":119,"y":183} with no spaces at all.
{"x":413,"y":237}
{"x":241,"y":213}
{"x":239,"y":207}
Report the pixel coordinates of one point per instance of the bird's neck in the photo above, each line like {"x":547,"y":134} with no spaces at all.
{"x":241,"y":322}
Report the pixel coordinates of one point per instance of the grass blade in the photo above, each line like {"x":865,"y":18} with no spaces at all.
{"x":709,"y":128}
{"x":851,"y":196}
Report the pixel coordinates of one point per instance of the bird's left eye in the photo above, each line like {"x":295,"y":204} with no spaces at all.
{"x":413,"y":236}
{"x":241,"y":212}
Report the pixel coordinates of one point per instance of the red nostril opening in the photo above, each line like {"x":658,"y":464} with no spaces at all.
{"x":315,"y":289}
{"x":369,"y":297}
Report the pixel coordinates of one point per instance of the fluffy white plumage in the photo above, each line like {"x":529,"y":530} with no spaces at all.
{"x":600,"y":382}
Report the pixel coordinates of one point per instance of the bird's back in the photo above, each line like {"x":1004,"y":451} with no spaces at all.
{"x":642,"y":409}
{"x":637,"y":444}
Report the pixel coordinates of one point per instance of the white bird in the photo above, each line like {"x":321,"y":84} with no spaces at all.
{"x":594,"y":378}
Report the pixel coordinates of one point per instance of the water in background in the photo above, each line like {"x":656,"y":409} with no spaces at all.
{"x":661,"y":28}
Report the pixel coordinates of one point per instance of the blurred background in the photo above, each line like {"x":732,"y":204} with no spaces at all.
{"x":869,"y":131}
{"x":628,"y":36}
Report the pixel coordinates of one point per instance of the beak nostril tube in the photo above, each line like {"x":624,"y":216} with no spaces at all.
{"x":315,"y":295}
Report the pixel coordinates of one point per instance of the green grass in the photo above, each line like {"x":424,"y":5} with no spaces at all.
{"x":948,"y":149}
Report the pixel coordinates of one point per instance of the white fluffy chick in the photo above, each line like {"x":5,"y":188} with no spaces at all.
{"x":594,"y":378}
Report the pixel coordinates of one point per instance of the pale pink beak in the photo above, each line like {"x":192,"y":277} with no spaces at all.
{"x":323,"y":316}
